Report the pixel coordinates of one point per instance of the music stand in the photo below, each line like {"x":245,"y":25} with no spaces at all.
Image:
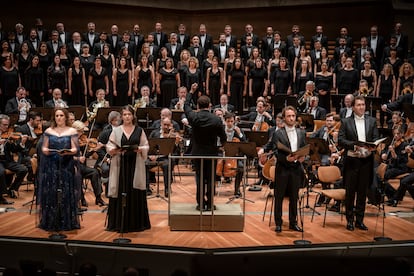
{"x":160,"y":147}
{"x":46,"y":112}
{"x":103,"y":112}
{"x":373,"y":103}
{"x":337,"y":101}
{"x":408,"y":110}
{"x":77,"y":110}
{"x":149,"y":114}
{"x":283,"y":100}
{"x":307,"y":121}
{"x":176,"y":116}
{"x":260,"y":138}
{"x":247,"y":149}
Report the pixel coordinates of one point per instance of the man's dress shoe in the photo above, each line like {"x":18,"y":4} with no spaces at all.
{"x":278,"y":229}
{"x":295,"y":227}
{"x":350,"y":226}
{"x":361,"y":225}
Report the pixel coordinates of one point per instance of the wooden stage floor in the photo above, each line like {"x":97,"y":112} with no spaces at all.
{"x":399,"y":221}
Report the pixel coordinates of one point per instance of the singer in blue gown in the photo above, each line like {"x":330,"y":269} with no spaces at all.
{"x":59,"y":183}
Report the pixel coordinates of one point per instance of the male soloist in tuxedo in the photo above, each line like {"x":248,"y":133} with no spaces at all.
{"x":358,"y":161}
{"x":207,"y":127}
{"x":289,"y":170}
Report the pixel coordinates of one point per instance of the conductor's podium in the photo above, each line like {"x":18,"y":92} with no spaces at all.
{"x":226,"y":217}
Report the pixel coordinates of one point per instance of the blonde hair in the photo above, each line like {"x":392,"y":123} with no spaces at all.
{"x":78,"y":125}
{"x":194,"y":59}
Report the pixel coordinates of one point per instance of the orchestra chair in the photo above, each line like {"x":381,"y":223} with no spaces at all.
{"x":317,"y":124}
{"x":268,"y":172}
{"x":383,"y":166}
{"x":329,"y":174}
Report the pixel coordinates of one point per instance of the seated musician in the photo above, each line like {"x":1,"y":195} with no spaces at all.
{"x":305,"y":96}
{"x":397,"y":121}
{"x":165,"y":131}
{"x":407,"y":183}
{"x":317,"y":111}
{"x":32,"y":129}
{"x":145,"y":100}
{"x":268,"y":104}
{"x":19,"y":105}
{"x":326,"y":133}
{"x":103,"y":160}
{"x":183,"y":97}
{"x":94,"y":106}
{"x":329,"y":133}
{"x":87,"y":172}
{"x":235,"y":134}
{"x":259,"y":119}
{"x":9,"y":145}
{"x":165,"y":113}
{"x":346,"y":110}
{"x":224,"y":104}
{"x":363,"y":89}
{"x":56,"y":100}
{"x":396,"y":159}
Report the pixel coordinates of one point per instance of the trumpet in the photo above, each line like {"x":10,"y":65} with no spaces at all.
{"x":305,"y":97}
{"x":365,"y":91}
{"x":140,"y":103}
{"x":60,"y":103}
{"x":92,"y":114}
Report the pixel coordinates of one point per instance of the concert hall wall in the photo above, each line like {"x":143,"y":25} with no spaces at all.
{"x":357,"y":16}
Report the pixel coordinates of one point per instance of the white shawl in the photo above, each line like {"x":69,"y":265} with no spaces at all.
{"x":139,"y":181}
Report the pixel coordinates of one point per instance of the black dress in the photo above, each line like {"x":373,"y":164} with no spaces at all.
{"x":57,"y":79}
{"x":23,"y":65}
{"x":214,"y":87}
{"x":191,"y":78}
{"x":121,"y":88}
{"x":144,"y":78}
{"x":34,"y":83}
{"x":258,"y":76}
{"x":98,"y":80}
{"x":78,"y":97}
{"x":324,"y":83}
{"x":236,"y":90}
{"x":168,"y":87}
{"x":300,"y":82}
{"x":136,"y":210}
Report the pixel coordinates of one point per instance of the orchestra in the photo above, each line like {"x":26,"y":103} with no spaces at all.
{"x":21,"y":128}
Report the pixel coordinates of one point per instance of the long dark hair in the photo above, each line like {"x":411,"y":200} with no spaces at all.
{"x":53,"y":121}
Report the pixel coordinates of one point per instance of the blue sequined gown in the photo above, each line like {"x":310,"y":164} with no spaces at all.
{"x":58,"y":173}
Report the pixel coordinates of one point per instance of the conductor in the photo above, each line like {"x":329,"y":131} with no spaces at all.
{"x":207,"y":127}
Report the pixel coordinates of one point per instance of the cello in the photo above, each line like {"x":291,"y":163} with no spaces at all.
{"x":227,"y":167}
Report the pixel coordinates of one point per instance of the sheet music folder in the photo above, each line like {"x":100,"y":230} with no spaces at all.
{"x":303,"y":151}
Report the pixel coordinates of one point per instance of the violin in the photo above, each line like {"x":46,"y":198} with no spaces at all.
{"x":91,"y":143}
{"x":11,"y":135}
